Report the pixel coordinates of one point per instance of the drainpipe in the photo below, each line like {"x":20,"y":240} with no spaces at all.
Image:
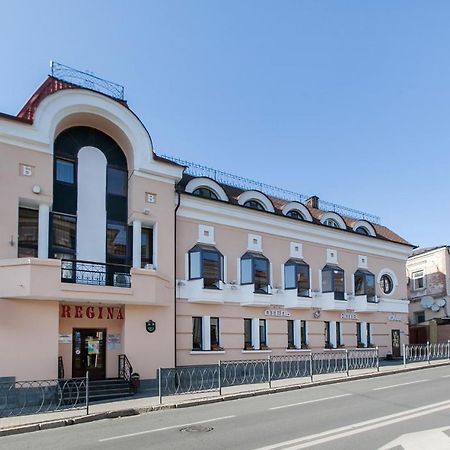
{"x":175,"y":275}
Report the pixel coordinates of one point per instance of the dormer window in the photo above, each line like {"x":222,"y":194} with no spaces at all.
{"x":362,"y":230}
{"x":365,"y":284}
{"x":254,"y":204}
{"x":255,"y":269}
{"x":296,"y":276}
{"x":205,"y":193}
{"x":331,"y":223}
{"x":295,"y":214}
{"x":206,"y":262}
{"x":333,"y":281}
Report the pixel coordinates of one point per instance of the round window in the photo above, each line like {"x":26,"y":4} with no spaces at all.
{"x":386,"y":283}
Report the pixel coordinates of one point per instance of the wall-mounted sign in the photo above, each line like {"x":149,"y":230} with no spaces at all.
{"x":150,"y":326}
{"x":316,"y":314}
{"x":91,"y":312}
{"x":349,"y":316}
{"x":277,"y":313}
{"x":113,"y":341}
{"x":65,"y":339}
{"x":394,"y":318}
{"x":25,"y":170}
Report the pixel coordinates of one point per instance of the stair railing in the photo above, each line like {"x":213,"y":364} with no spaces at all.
{"x":125,"y":368}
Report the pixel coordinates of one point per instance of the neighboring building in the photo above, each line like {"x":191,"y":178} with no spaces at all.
{"x":108,"y":250}
{"x":428,"y":271}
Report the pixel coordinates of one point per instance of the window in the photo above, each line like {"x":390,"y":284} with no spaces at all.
{"x":65,"y":171}
{"x":262,"y":334}
{"x":386,"y":284}
{"x":338,"y":335}
{"x":304,"y":334}
{"x":419,"y":316}
{"x":205,"y":193}
{"x":331,"y":223}
{"x":255,"y":270}
{"x":197,"y":336}
{"x":362,"y":230}
{"x":117,"y":181}
{"x":418,"y":280}
{"x":28,"y":233}
{"x":359,"y":342}
{"x":369,"y":334}
{"x":63,"y":236}
{"x":296,"y":276}
{"x":214,"y":333}
{"x":116,"y":242}
{"x":295,"y":214}
{"x":290,"y":327}
{"x":146,"y":246}
{"x":365,"y":284}
{"x":207,"y":263}
{"x":254,"y":204}
{"x":248,"y":339}
{"x":327,"y":334}
{"x":333,"y":281}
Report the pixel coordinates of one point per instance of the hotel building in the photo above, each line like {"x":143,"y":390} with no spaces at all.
{"x":110,"y":253}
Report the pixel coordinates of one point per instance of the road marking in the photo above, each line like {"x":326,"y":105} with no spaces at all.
{"x":164,"y":428}
{"x":397,"y":385}
{"x":310,"y":401}
{"x":445,"y":376}
{"x":437,"y":438}
{"x":360,"y":427}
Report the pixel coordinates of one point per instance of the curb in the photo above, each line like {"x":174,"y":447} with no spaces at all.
{"x":48,"y":425}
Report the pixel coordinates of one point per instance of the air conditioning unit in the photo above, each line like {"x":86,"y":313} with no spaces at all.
{"x":122,"y":280}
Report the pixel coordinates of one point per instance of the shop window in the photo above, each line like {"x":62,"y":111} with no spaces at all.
{"x":304,"y":333}
{"x":359,"y":342}
{"x":290,"y":327}
{"x":296,"y":276}
{"x":197,"y":333}
{"x":28,"y":233}
{"x":418,"y":280}
{"x":65,"y":171}
{"x":365,"y":284}
{"x":339,"y":342}
{"x":327,"y":334}
{"x":248,"y":338}
{"x":146,"y":246}
{"x":262,"y":334}
{"x":215,"y":333}
{"x":369,"y":334}
{"x":255,"y":269}
{"x":333,"y":281}
{"x":206,"y":262}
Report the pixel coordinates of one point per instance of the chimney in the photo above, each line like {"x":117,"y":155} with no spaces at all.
{"x":313,"y":202}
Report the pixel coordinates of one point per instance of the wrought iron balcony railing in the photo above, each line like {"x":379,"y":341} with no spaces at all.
{"x":95,"y":273}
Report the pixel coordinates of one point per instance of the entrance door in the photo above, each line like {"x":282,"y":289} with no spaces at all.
{"x":396,"y":353}
{"x":89,"y":353}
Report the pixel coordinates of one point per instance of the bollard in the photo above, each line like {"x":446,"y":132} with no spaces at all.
{"x":87,"y":392}
{"x":428,"y":352}
{"x":159,"y":386}
{"x":220,"y":377}
{"x":346,"y":363}
{"x":378,"y":359}
{"x":311,"y":366}
{"x":404,"y":355}
{"x":269,"y":372}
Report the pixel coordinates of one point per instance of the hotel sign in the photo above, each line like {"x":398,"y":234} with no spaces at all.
{"x":91,"y":312}
{"x":277,"y":313}
{"x":349,"y":316}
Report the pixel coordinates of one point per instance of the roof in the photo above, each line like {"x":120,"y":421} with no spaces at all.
{"x":233,"y":193}
{"x":423,"y":250}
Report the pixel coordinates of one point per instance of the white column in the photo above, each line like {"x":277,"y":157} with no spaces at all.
{"x":44,"y":214}
{"x":333,"y":333}
{"x":137,"y":243}
{"x":297,"y":334}
{"x":255,"y":334}
{"x":206,"y":333}
{"x":364,"y":333}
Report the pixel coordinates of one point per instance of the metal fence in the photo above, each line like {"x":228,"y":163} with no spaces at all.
{"x":302,"y":366}
{"x":43,"y":396}
{"x":426,"y":352}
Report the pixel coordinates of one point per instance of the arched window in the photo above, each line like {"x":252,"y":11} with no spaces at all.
{"x":365,"y":284}
{"x":331,"y":223}
{"x":295,"y":214}
{"x":386,"y":284}
{"x":333,"y":281}
{"x":206,"y":262}
{"x":296,"y":276}
{"x":205,"y":193}
{"x":254,"y":204}
{"x":255,"y":269}
{"x":362,"y":230}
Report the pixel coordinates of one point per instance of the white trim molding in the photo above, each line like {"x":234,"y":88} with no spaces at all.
{"x":208,"y":183}
{"x":259,"y":197}
{"x":391,"y":273}
{"x":297,"y":206}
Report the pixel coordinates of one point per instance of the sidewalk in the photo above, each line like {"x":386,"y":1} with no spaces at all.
{"x":135,"y":406}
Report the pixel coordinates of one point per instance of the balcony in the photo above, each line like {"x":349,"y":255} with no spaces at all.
{"x":82,"y":281}
{"x":363,"y":303}
{"x":330,"y":301}
{"x":290,"y":299}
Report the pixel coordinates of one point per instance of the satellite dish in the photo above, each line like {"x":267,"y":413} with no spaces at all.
{"x":441,"y":302}
{"x":427,"y":301}
{"x":435,"y":307}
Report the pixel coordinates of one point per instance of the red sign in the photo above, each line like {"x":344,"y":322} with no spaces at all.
{"x":91,"y":312}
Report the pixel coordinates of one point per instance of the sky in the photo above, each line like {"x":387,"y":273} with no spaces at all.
{"x":347,"y":100}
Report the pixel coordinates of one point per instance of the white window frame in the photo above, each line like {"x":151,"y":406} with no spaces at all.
{"x":414,"y":279}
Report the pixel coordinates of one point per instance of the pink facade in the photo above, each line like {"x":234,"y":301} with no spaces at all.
{"x":168,"y":267}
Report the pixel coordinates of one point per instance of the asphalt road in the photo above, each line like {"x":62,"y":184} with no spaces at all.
{"x":366,"y":414}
